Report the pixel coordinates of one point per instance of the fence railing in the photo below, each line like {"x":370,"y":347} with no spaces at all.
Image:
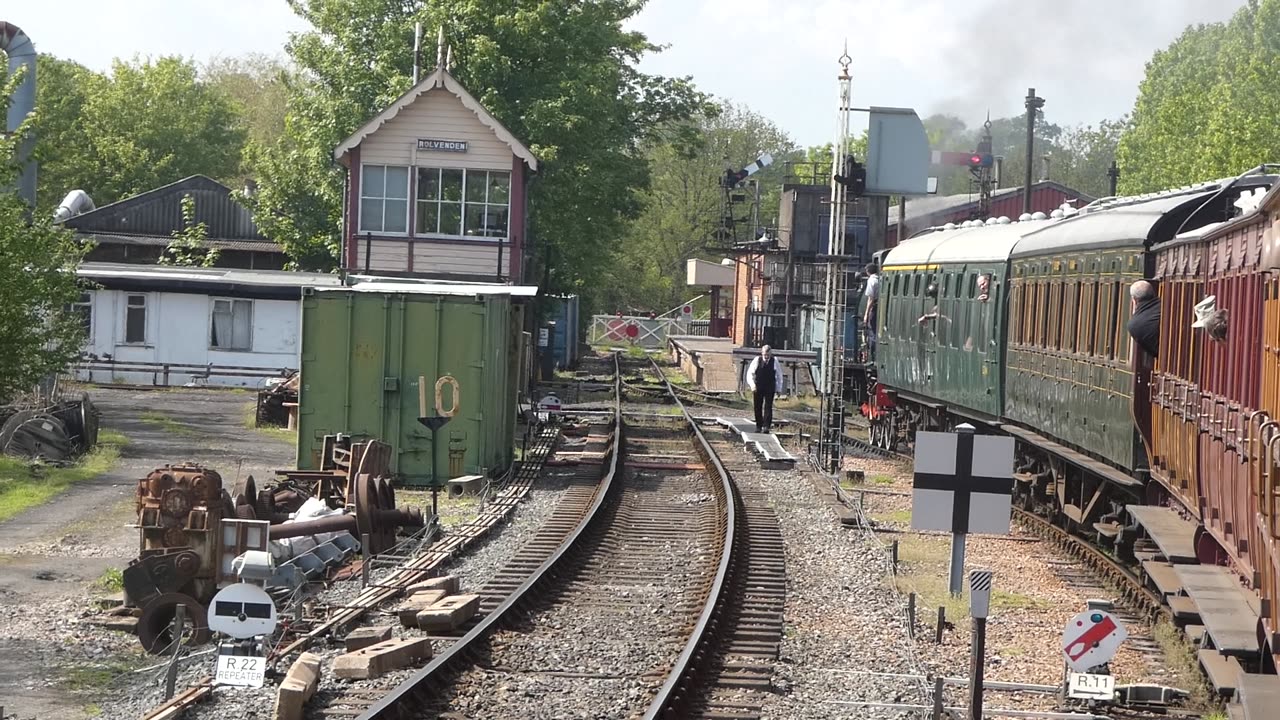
{"x":635,"y":330}
{"x":162,"y":373}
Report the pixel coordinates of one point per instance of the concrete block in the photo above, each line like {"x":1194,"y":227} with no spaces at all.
{"x":377,"y":660}
{"x":447,"y":583}
{"x":298,"y":686}
{"x":449,"y":613}
{"x":409,"y":609}
{"x":361,"y":638}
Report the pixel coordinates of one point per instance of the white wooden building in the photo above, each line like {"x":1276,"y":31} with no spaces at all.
{"x":161,"y":325}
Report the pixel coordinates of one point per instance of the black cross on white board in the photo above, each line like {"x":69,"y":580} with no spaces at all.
{"x":963,"y":483}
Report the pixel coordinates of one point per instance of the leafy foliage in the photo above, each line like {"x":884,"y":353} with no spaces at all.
{"x":189,"y":244}
{"x":39,"y":334}
{"x":148,"y":124}
{"x":560,"y":76}
{"x":1207,"y":105}
{"x":683,"y":205}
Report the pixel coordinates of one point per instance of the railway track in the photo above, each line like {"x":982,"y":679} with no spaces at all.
{"x":664,"y":600}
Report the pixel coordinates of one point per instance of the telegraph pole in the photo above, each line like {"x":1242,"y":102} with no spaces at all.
{"x":843,"y":172}
{"x":1113,"y":173}
{"x":1032,"y":104}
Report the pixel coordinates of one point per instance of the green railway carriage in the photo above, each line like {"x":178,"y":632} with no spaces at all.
{"x":951,"y":355}
{"x":1069,"y":373}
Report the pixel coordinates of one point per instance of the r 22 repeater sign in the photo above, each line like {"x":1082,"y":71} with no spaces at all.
{"x":963,"y":483}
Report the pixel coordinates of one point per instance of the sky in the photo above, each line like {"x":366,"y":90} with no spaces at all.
{"x":777,"y":57}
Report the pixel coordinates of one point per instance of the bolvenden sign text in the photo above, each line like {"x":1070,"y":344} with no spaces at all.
{"x":442,"y":145}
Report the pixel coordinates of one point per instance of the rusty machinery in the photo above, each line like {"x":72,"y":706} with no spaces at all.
{"x":181,"y":507}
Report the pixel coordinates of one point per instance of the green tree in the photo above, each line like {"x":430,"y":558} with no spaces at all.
{"x":1084,"y":155}
{"x":64,"y":145}
{"x":560,"y":76}
{"x":683,"y":205}
{"x":156,"y":123}
{"x":255,"y":84}
{"x":189,"y":247}
{"x":1207,"y":105}
{"x":39,"y":334}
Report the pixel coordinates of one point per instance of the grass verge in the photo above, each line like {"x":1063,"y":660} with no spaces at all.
{"x":453,"y":511}
{"x":284,"y":435}
{"x":94,"y":681}
{"x":167,"y":424}
{"x":921,"y":571}
{"x":112,"y":580}
{"x":25,"y":484}
{"x":1180,"y":655}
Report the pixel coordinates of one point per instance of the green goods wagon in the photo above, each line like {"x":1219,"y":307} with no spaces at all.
{"x":363,"y":353}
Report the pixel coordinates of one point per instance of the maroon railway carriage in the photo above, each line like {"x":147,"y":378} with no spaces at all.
{"x":1210,"y":406}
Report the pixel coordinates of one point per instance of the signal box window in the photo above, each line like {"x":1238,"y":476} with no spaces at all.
{"x":463,"y":203}
{"x":232,"y":326}
{"x":384,"y":199}
{"x":135,"y":320}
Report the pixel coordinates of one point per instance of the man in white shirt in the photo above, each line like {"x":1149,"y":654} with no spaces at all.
{"x":869,"y":316}
{"x":764,"y":377}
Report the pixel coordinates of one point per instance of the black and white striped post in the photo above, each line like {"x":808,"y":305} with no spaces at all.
{"x":979,"y":604}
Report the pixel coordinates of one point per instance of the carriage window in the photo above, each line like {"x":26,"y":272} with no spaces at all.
{"x":1086,"y":317}
{"x":1119,"y":319}
{"x":1095,"y":334}
{"x":973,"y":284}
{"x":916,"y":291}
{"x":1015,"y":308}
{"x":987,"y":318}
{"x":1045,"y":305}
{"x":1073,"y":313}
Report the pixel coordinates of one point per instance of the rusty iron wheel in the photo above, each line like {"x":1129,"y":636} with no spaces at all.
{"x":187,"y":563}
{"x":366,"y":502}
{"x":247,"y":487}
{"x":173,"y":537}
{"x":176,"y":502}
{"x":155,"y":627}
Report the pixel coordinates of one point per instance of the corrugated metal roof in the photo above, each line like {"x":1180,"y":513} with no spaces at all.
{"x":221,"y":276}
{"x":163,"y":241}
{"x":159,"y":213}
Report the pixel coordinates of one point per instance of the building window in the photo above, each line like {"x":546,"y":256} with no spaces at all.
{"x":83,"y":309}
{"x":384,"y":199}
{"x":135,"y":320}
{"x":463,"y":203}
{"x":232,"y":326}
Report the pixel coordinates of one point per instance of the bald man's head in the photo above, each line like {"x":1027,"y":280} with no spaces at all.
{"x":1142,"y":290}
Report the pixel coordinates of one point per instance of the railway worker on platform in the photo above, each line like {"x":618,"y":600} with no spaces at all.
{"x":1144,"y":321}
{"x":869,"y":316}
{"x":764,"y":376}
